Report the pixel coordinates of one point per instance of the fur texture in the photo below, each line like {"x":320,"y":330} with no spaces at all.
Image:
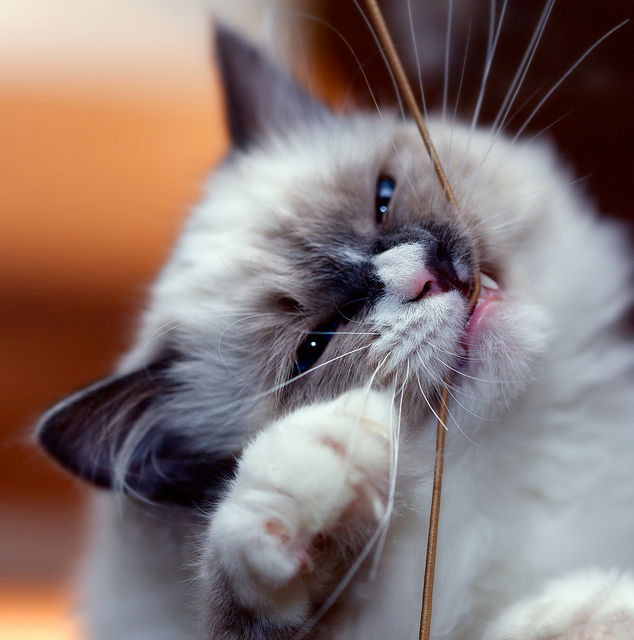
{"x":271,"y":433}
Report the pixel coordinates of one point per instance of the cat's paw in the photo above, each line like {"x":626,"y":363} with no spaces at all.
{"x":310,"y":484}
{"x":586,"y":605}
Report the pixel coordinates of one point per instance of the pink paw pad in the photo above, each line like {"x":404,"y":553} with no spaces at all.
{"x":338,"y":447}
{"x":276,"y":528}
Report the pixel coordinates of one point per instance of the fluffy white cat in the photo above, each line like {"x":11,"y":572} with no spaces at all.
{"x":270,"y":436}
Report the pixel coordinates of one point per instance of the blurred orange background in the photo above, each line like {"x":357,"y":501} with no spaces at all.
{"x":109,"y":120}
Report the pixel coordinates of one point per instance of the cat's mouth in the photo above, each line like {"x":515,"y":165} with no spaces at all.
{"x":490,"y":298}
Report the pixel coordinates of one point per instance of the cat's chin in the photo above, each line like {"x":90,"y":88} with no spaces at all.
{"x":491,"y":357}
{"x":504,"y":345}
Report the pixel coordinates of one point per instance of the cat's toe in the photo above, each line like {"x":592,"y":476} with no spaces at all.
{"x":276,"y":557}
{"x":261,"y":556}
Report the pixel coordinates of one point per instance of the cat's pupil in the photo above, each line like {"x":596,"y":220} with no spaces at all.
{"x":314,"y":345}
{"x":384,"y":192}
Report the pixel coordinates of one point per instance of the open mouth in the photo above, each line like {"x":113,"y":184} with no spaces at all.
{"x":489,"y":298}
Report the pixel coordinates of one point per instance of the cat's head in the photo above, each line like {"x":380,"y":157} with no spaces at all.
{"x":323,"y":256}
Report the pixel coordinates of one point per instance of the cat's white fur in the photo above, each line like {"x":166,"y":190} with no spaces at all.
{"x":531,"y":494}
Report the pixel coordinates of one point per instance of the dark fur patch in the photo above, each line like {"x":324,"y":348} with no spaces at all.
{"x":443,"y":247}
{"x":260,"y":97}
{"x":88,"y":432}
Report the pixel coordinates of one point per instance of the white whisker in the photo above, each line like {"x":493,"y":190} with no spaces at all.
{"x":435,"y":376}
{"x":365,"y":78}
{"x":429,"y":403}
{"x":418,"y":67}
{"x":487,"y":68}
{"x":447,"y":51}
{"x":464,"y":375}
{"x":177,"y":323}
{"x":558,"y":83}
{"x":522,"y":70}
{"x":455,"y":108}
{"x":385,"y":60}
{"x":462,"y":431}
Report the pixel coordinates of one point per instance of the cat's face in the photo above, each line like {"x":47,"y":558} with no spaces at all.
{"x":323,"y":256}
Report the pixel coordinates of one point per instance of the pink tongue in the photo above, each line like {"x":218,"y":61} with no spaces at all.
{"x":488,"y":299}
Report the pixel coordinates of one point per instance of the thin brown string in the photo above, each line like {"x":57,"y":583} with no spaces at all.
{"x":434,"y":510}
{"x":434,"y":514}
{"x":408,"y":95}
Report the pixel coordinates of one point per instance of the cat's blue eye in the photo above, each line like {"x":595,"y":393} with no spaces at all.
{"x":313,"y":346}
{"x":384,"y":192}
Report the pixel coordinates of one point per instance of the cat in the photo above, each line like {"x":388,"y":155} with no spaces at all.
{"x":269,"y":439}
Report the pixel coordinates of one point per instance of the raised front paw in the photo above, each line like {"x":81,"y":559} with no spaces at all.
{"x":586,"y":605}
{"x":309,"y":490}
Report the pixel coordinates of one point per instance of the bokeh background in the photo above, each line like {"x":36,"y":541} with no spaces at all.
{"x":110,"y":117}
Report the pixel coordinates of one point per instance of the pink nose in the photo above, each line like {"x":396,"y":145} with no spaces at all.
{"x":420,"y":284}
{"x":403,"y":273}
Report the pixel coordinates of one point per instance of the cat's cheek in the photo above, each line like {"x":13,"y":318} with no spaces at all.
{"x":504,"y":357}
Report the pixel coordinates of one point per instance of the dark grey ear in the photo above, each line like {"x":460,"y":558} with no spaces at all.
{"x":260,"y":96}
{"x":120,"y":432}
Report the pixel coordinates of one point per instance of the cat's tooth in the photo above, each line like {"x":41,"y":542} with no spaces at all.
{"x":488,"y":282}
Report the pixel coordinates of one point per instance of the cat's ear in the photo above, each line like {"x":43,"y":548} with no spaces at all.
{"x":120,"y":433}
{"x":261,"y":97}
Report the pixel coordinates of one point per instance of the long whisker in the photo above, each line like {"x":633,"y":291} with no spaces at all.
{"x":447,"y":51}
{"x":431,"y":408}
{"x":430,"y":344}
{"x":436,"y":377}
{"x":345,"y":581}
{"x":397,"y":91}
{"x":462,"y":431}
{"x":464,"y":375}
{"x":460,"y":391}
{"x":517,"y":149}
{"x":520,"y":75}
{"x":177,"y":323}
{"x":528,"y":197}
{"x":457,"y":102}
{"x":348,"y":333}
{"x":333,"y":497}
{"x":487,"y":68}
{"x":446,"y":405}
{"x":367,"y":81}
{"x":418,"y":68}
{"x":558,"y":83}
{"x":278,"y":387}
